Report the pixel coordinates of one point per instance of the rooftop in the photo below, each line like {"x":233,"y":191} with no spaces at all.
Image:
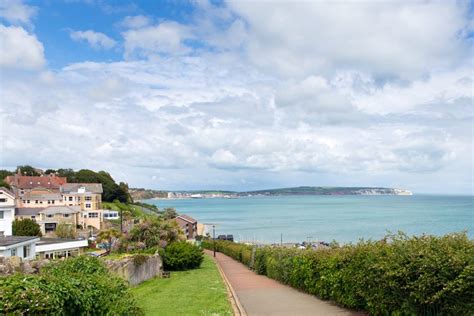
{"x":30,"y":182}
{"x":11,"y":240}
{"x":187,"y":218}
{"x":81,"y":188}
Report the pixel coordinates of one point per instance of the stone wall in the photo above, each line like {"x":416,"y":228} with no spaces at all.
{"x":11,"y":265}
{"x":137,"y":268}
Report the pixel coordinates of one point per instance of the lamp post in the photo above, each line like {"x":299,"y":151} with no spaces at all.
{"x":214,"y":238}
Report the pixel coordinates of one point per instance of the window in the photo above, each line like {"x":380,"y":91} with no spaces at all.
{"x":93,"y":215}
{"x":88,"y":205}
{"x":70,"y":198}
{"x":50,"y":227}
{"x":33,"y":217}
{"x":65,"y":215}
{"x":36,"y":201}
{"x":88,"y":198}
{"x":13,"y":252}
{"x":49,"y":202}
{"x":49,"y":215}
{"x":26,"y":251}
{"x":1,"y":214}
{"x":3,"y":200}
{"x":28,"y":201}
{"x":2,"y":234}
{"x":52,"y":202}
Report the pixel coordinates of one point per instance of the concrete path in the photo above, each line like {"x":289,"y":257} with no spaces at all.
{"x":260,"y":295}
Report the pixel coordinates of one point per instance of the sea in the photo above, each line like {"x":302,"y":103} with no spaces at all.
{"x":345,"y":219}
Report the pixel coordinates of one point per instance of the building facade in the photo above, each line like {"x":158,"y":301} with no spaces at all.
{"x":7,"y":211}
{"x":188,"y":225}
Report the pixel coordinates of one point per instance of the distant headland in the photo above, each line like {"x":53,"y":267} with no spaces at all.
{"x":142,"y":194}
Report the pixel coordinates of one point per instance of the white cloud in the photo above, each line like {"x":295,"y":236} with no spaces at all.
{"x":387,"y":39}
{"x":194,"y":121}
{"x":16,"y":12}
{"x":164,"y":38}
{"x":96,"y":40}
{"x":135,"y":22}
{"x":20,"y":50}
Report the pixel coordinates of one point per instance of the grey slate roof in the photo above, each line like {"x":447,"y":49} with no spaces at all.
{"x":74,"y":187}
{"x":11,"y":240}
{"x":27,"y":211}
{"x":51,"y":210}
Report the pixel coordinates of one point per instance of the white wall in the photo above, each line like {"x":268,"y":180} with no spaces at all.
{"x":6,"y":222}
{"x":7,"y":252}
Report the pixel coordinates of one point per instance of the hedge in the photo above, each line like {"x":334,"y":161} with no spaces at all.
{"x":76,"y":286}
{"x":399,"y":275}
{"x":182,"y":255}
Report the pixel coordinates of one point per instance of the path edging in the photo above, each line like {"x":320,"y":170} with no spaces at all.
{"x":236,"y":306}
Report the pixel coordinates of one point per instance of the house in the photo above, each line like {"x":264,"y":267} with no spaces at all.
{"x":49,"y":217}
{"x":39,"y":197}
{"x":188,"y":225}
{"x":7,"y":211}
{"x":19,"y":246}
{"x":86,"y":195}
{"x":22,"y":184}
{"x":56,"y":248}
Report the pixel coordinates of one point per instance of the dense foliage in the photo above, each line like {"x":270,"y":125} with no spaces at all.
{"x":64,"y":230}
{"x":399,"y":275}
{"x":25,"y":227}
{"x":77,"y":286}
{"x":182,"y":256}
{"x":27,"y":170}
{"x":151,"y":232}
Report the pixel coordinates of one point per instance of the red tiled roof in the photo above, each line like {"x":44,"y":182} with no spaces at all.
{"x":30,"y":182}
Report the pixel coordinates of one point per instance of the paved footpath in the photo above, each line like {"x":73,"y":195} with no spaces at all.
{"x":260,"y":295}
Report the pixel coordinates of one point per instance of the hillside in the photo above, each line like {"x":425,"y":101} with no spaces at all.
{"x":142,"y":194}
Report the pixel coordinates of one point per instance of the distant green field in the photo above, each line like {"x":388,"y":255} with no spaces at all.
{"x":194,"y":292}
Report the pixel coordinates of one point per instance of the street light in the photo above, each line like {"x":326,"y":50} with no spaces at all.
{"x":214,"y":237}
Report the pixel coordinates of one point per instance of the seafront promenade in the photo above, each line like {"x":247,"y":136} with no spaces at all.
{"x":259,"y":295}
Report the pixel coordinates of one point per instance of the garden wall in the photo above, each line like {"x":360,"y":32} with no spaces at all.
{"x":137,"y":268}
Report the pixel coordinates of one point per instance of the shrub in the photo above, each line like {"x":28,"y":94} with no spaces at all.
{"x":77,"y":286}
{"x":64,"y":230}
{"x":182,"y":256}
{"x":424,"y":275}
{"x":26,"y":227}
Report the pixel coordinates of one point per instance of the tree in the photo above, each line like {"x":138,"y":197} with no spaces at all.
{"x":64,"y":230}
{"x":27,"y":170}
{"x":50,"y":171}
{"x":153,"y":230}
{"x":169,"y":213}
{"x":26,"y":227}
{"x":108,"y":235}
{"x":5,"y":173}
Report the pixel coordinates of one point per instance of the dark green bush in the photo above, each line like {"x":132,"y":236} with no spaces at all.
{"x":425,"y":275}
{"x":182,"y":256}
{"x":77,"y":286}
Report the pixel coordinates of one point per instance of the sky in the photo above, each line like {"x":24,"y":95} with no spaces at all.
{"x":241,"y":95}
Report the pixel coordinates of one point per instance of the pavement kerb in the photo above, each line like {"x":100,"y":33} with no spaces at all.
{"x":235,"y":302}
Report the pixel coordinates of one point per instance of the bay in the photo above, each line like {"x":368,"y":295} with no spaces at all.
{"x":325,"y":218}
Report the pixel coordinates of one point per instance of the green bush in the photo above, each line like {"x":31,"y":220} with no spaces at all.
{"x":25,"y":227}
{"x":424,"y":275}
{"x":182,"y":256}
{"x":77,"y":286}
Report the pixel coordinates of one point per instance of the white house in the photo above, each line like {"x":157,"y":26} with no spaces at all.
{"x":19,"y":246}
{"x":7,"y":211}
{"x":56,"y":248}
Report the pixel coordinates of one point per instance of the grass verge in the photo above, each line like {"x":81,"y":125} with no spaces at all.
{"x":193,"y":292}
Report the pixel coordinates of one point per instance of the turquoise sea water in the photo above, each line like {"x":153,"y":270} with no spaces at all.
{"x":343,"y":218}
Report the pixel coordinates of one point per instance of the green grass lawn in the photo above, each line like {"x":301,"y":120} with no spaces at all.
{"x":194,"y":292}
